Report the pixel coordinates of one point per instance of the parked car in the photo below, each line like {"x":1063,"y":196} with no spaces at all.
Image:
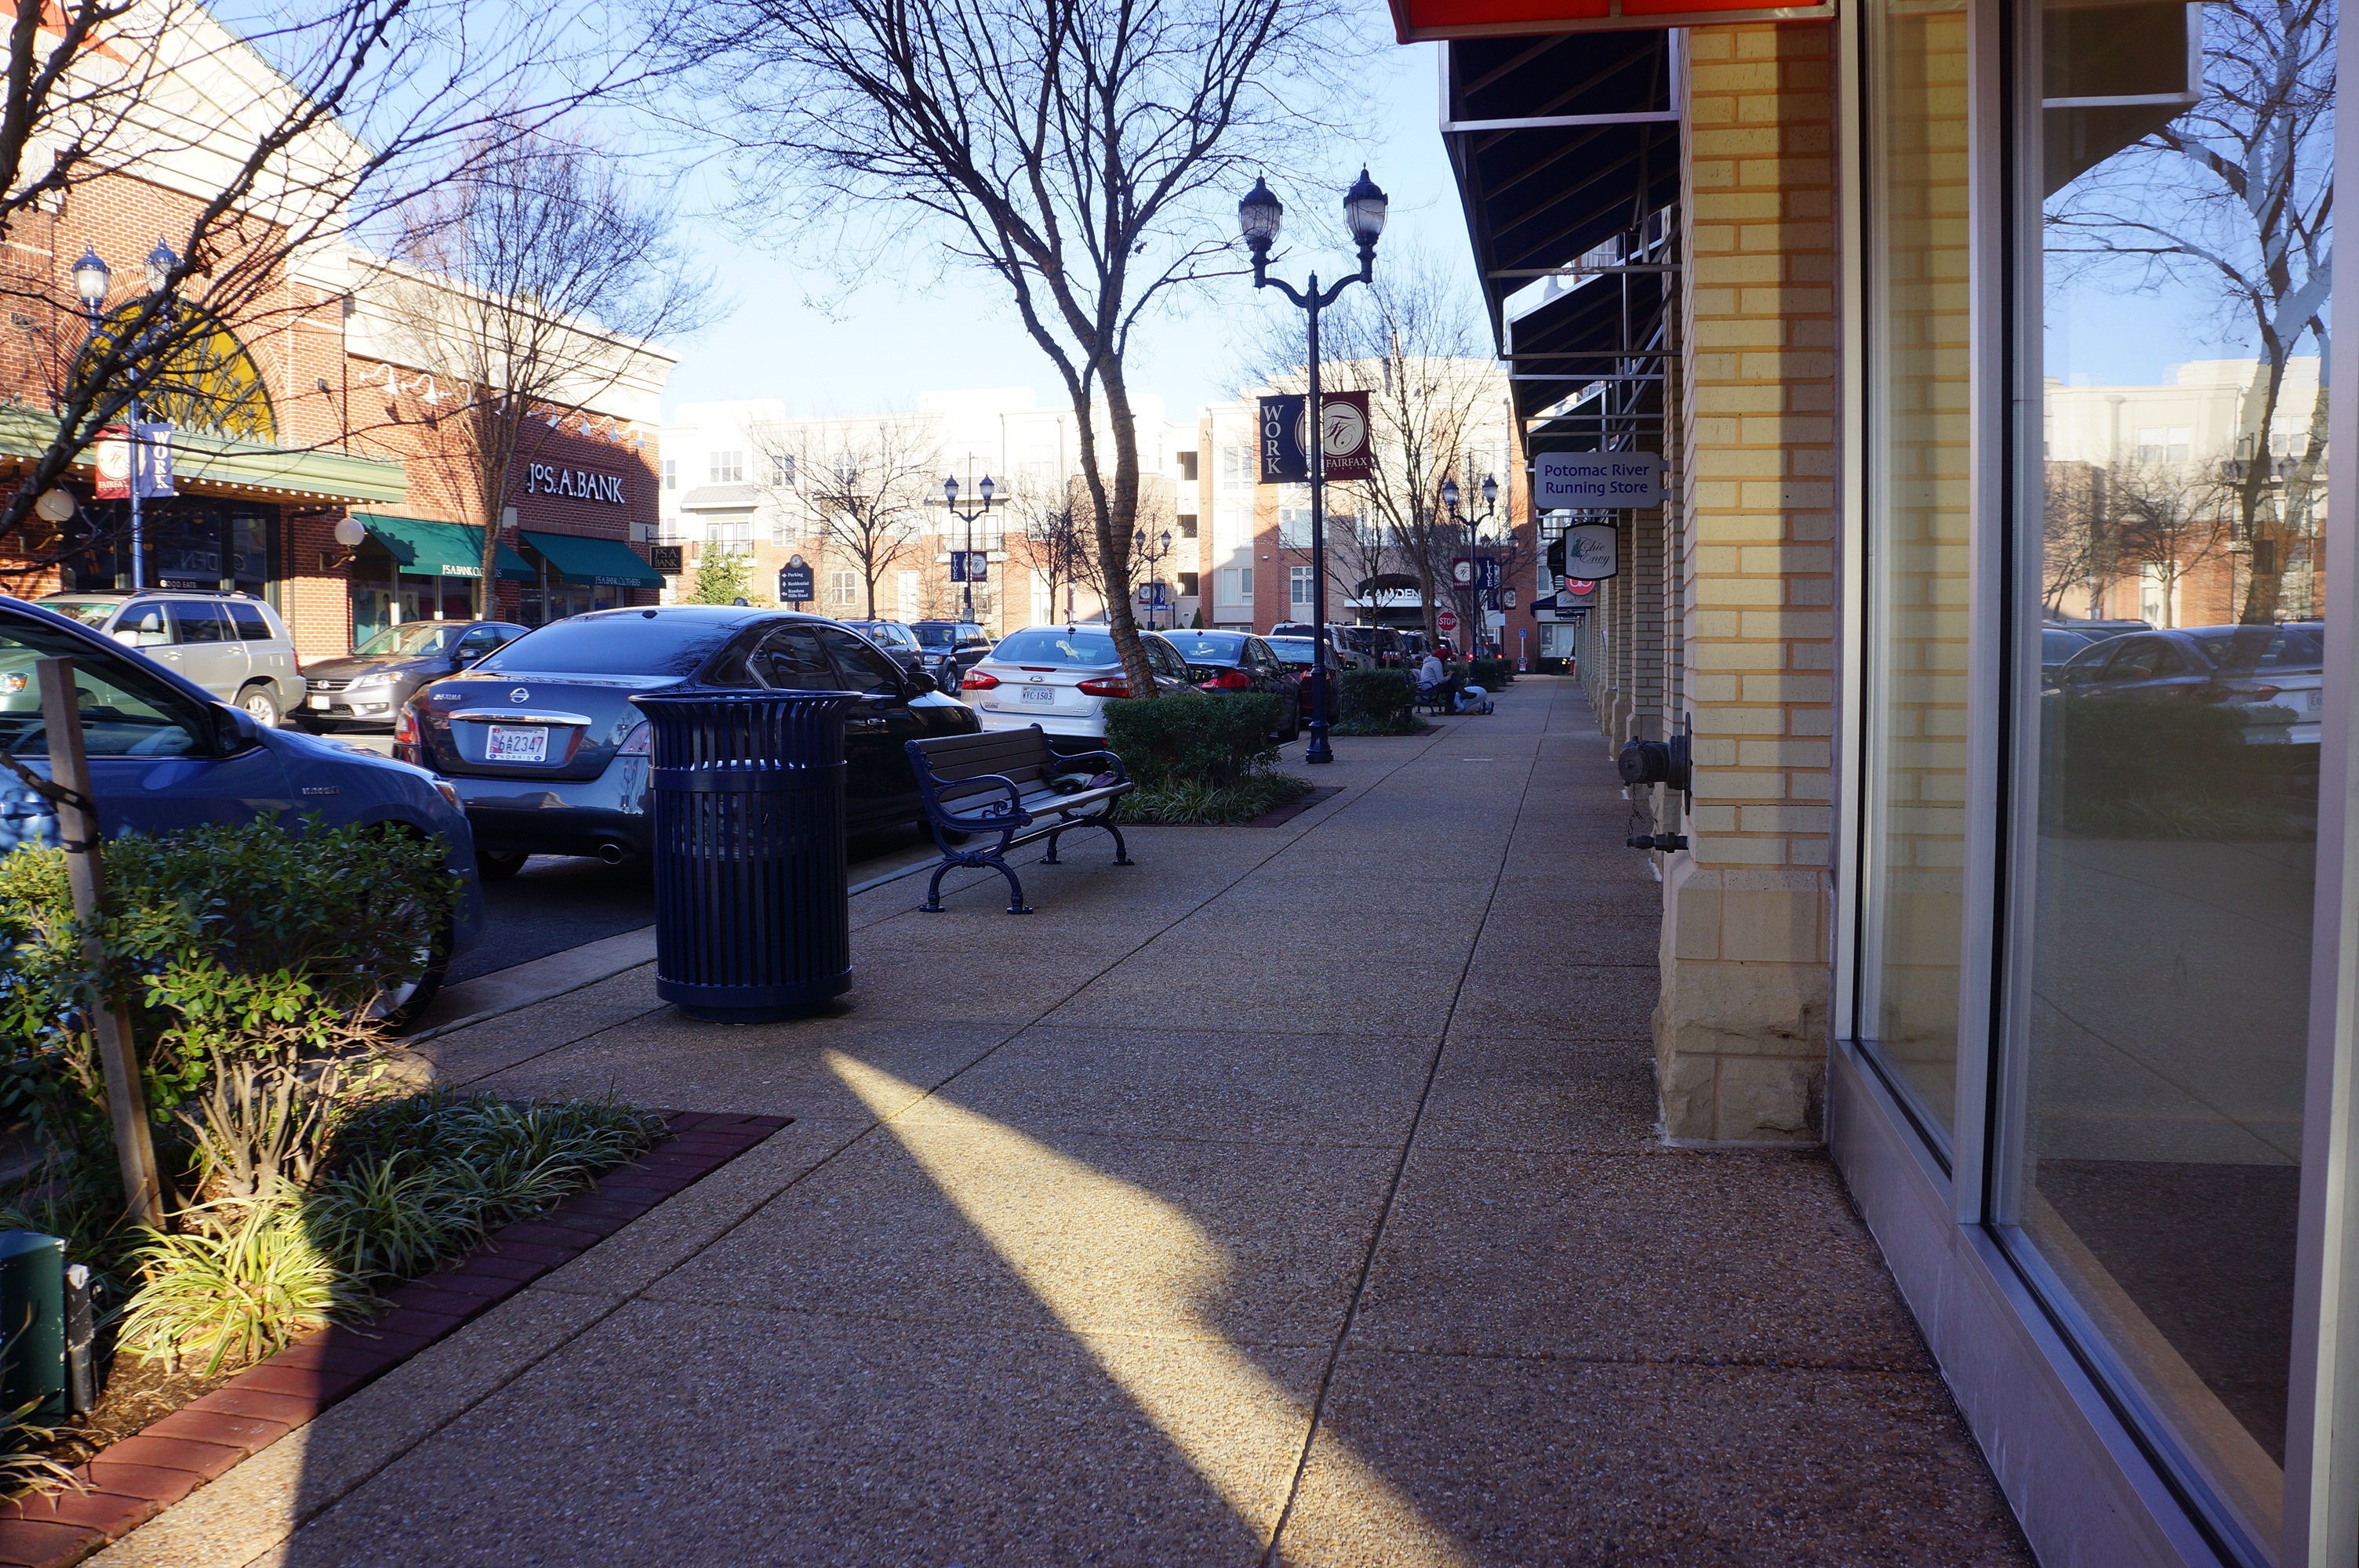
{"x":952,"y":648}
{"x":1061,"y":677}
{"x":1341,"y":655}
{"x":2252,"y":667}
{"x":1295,"y":654}
{"x":900,"y":646}
{"x":1238,"y":661}
{"x":166,"y":755}
{"x":233,"y":645}
{"x":548,"y":755}
{"x":369,"y":686}
{"x":1413,"y":648}
{"x":1381,"y":643}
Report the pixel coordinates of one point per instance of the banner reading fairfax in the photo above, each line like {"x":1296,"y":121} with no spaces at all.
{"x":1343,"y":427}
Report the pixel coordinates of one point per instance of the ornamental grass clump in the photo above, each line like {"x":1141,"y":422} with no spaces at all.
{"x":234,"y":1291}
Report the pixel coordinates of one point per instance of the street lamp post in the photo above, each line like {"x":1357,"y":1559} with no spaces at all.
{"x":1364,"y":213}
{"x":950,"y":498}
{"x":92,"y":276}
{"x":1476,"y":601}
{"x":1161,"y":548}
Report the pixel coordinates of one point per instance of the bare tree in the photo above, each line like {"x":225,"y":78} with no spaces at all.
{"x":2236,"y":195}
{"x":322,"y":123}
{"x":1061,"y":540}
{"x":862,"y":488}
{"x":1084,"y":152}
{"x":531,"y":277}
{"x":2169,"y":519}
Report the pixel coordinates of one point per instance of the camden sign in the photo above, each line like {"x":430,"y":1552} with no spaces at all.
{"x":579,"y":484}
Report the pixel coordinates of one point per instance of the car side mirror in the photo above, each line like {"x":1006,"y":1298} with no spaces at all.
{"x":922,"y":682}
{"x":467,"y":655}
{"x":236,"y":730}
{"x":128,"y":639}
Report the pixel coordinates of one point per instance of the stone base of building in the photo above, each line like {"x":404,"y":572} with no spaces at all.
{"x":1741,"y":1028}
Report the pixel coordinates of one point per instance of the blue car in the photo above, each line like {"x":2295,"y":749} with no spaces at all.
{"x":165,"y":755}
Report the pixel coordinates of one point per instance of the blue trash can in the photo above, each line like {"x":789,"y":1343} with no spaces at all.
{"x":752,"y":920}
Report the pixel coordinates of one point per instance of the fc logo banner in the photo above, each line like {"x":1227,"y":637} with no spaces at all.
{"x":1344,"y":427}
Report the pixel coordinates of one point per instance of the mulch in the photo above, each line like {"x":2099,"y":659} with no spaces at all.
{"x":132,"y":1480}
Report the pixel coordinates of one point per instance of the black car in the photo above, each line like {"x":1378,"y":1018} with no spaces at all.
{"x":1296,"y":654}
{"x":2251,"y":668}
{"x":952,"y":648}
{"x":550,"y":756}
{"x":369,"y":686}
{"x":899,"y":644}
{"x":1236,"y":661}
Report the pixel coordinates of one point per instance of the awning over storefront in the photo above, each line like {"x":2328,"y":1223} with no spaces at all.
{"x":1419,"y":20}
{"x":1567,"y":153}
{"x":428,"y":548}
{"x":293,"y":474}
{"x":580,"y":561}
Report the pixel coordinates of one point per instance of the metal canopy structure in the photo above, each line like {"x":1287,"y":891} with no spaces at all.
{"x":1567,"y":154}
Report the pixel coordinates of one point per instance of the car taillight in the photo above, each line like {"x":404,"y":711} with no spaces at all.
{"x":405,"y":728}
{"x":1105,"y":687}
{"x":978,"y":680}
{"x":639,"y":741}
{"x":1227,"y":680}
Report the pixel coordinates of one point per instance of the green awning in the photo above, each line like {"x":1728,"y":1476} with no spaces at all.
{"x":580,"y":561}
{"x":439,"y":549}
{"x":298,"y":473}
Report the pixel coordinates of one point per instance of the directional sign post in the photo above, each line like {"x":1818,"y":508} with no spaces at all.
{"x":797,"y":582}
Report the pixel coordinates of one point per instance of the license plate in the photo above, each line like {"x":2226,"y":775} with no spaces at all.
{"x":1040,"y":694}
{"x":516,"y":744}
{"x":2315,"y":702}
{"x":321,"y":701}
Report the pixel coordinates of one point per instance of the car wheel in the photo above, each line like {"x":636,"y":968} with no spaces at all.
{"x":260,"y":701}
{"x":499,"y":865}
{"x":405,"y":1005}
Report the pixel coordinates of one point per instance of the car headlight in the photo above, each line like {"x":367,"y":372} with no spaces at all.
{"x":367,"y":682}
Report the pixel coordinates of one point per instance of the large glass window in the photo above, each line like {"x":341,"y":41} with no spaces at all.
{"x":2178,"y":537}
{"x":1918,"y":498}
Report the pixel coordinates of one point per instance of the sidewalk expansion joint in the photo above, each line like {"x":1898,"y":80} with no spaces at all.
{"x":127,"y":1483}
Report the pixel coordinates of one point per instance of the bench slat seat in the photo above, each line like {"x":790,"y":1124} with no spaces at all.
{"x":997,"y":784}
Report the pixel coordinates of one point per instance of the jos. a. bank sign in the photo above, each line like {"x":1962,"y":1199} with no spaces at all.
{"x":577,"y":484}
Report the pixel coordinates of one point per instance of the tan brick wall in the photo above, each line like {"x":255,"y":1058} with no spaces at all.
{"x":1741,"y":1028}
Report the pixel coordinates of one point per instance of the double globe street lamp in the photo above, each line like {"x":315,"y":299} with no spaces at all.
{"x":965,"y":565}
{"x":1475,"y":546}
{"x":1364,"y":213}
{"x":1139,"y":544}
{"x":91,"y":278}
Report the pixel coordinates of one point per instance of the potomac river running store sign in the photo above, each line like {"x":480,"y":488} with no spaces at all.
{"x":580,"y":484}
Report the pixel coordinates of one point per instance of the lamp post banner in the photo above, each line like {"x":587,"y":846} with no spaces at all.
{"x":1343,"y":419}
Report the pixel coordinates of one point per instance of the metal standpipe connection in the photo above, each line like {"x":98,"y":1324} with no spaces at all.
{"x":753,"y":922}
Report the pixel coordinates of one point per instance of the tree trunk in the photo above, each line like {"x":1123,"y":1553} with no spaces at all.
{"x":1117,"y":513}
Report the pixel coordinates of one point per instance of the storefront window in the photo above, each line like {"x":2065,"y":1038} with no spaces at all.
{"x":1917,"y":503}
{"x":2159,"y":1031}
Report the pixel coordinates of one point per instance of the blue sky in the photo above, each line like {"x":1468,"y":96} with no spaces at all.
{"x":892,"y":339}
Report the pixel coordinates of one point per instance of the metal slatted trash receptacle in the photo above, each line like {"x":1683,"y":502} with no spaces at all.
{"x":752,"y":920}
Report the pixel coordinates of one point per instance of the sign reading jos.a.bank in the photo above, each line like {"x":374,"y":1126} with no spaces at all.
{"x":580,"y":484}
{"x":1585,"y":480}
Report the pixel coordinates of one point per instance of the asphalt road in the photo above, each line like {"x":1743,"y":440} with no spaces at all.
{"x":562,"y":901}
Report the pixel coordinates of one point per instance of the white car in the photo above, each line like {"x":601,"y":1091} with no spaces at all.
{"x":1061,"y":677}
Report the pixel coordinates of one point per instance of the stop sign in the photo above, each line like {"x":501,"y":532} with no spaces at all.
{"x":1447,"y":621}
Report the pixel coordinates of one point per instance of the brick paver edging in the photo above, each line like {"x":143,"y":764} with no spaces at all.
{"x":130,"y":1483}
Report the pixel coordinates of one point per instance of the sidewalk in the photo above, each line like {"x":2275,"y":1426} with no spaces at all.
{"x":1296,"y":1181}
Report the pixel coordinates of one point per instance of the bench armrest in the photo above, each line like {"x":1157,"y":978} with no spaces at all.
{"x":996,"y":814}
{"x":1120,"y":771}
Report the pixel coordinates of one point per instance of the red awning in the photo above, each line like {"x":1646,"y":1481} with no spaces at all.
{"x":1418,"y":20}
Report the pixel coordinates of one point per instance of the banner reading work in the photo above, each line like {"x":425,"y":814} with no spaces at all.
{"x":1344,"y":424}
{"x":121,"y":461}
{"x":1588,"y":481}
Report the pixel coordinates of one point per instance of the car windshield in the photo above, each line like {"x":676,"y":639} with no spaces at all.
{"x":936,"y":636}
{"x":626,"y":644}
{"x":1217,"y":646}
{"x":419,"y":637}
{"x":2296,"y":647}
{"x":1293,"y":650}
{"x":89,"y":611}
{"x":1053,"y":646}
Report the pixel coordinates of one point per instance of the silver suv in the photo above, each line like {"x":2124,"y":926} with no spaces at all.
{"x":232,"y":645}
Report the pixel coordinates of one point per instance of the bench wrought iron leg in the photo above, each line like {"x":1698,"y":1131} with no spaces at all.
{"x":1016,"y":904}
{"x":1121,"y":850}
{"x":933,"y":904}
{"x":1051,"y":857}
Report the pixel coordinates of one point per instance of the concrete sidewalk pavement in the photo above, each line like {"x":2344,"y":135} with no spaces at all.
{"x":1289,"y":1197}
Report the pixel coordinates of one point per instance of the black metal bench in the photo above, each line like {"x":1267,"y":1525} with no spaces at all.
{"x":997,"y":784}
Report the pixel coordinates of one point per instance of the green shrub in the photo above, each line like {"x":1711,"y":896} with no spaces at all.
{"x":235,"y":1291}
{"x":2116,"y":767}
{"x":1219,"y":739}
{"x":1376,"y":702}
{"x":1493,"y":675}
{"x":1195,"y":803}
{"x":253,"y":942}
